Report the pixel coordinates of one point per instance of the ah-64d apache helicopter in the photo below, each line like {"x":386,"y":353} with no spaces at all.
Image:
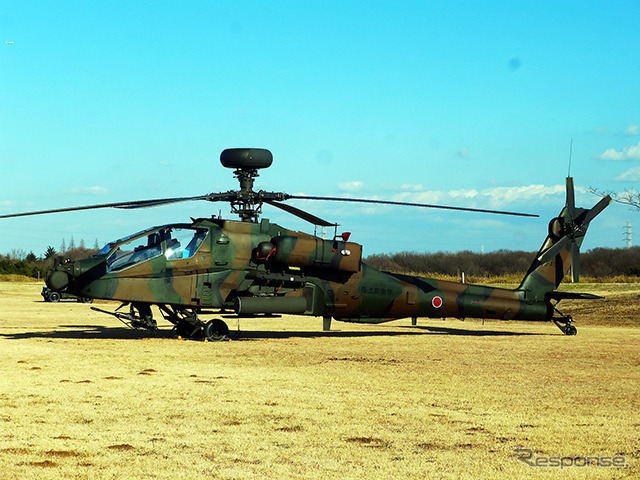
{"x":253,"y":267}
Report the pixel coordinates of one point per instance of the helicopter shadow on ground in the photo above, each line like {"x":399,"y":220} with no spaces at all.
{"x":62,"y":300}
{"x":121,"y":333}
{"x":415,"y":331}
{"x":84,"y":332}
{"x":474,"y":333}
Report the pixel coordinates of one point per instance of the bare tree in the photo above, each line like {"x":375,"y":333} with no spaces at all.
{"x":628,"y":197}
{"x":17,"y":254}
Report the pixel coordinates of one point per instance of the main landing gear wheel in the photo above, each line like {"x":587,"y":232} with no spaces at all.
{"x":54,"y":297}
{"x":216,"y":330}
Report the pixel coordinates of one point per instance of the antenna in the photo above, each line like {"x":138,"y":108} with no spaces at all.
{"x":570,"y":152}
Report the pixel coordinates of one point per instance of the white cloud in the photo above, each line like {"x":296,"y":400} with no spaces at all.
{"x":632,"y":130}
{"x":612,"y":154}
{"x":420,"y":197}
{"x":413,"y":188}
{"x":506,"y":195}
{"x":497,"y":198}
{"x":351,"y":186}
{"x":96,"y":190}
{"x":631,"y":175}
{"x":463,"y":193}
{"x":627,"y":153}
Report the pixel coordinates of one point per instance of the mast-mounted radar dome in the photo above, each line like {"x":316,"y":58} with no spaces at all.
{"x":246,"y":158}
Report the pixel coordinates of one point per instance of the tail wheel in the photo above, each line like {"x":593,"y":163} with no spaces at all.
{"x":564,"y":323}
{"x":216,"y":330}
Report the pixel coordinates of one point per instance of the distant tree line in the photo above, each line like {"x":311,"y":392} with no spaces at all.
{"x":20,"y":267}
{"x":19,"y":262}
{"x":599,"y":262}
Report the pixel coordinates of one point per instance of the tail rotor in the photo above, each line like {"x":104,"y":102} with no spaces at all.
{"x":570,"y":227}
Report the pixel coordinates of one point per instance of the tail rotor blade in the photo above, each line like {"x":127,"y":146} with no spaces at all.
{"x":571,"y":199}
{"x":575,"y":262}
{"x":555,"y":249}
{"x":599,"y":207}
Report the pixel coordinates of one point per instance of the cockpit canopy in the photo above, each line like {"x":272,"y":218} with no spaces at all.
{"x":173,"y":241}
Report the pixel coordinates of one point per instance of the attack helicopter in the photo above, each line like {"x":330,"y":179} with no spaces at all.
{"x":254,"y":267}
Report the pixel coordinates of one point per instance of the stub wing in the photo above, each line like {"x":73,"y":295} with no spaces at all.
{"x":572,"y":295}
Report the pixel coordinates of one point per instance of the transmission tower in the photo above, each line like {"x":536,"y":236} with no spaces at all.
{"x":628,"y":235}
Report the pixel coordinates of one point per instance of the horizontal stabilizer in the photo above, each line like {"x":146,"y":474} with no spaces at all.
{"x":572,"y":295}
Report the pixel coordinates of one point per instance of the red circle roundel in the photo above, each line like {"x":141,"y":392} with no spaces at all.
{"x":437,"y":302}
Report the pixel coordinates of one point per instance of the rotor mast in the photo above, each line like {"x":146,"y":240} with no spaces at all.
{"x":245,"y":203}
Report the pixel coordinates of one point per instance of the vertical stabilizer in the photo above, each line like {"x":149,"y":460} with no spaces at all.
{"x":560,"y":252}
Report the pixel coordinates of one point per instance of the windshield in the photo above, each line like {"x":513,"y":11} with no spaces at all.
{"x":107,"y":248}
{"x":173,"y":243}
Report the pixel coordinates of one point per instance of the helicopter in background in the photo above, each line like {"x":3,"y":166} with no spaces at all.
{"x":254,"y":267}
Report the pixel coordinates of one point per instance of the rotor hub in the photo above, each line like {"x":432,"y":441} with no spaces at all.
{"x":246,"y":161}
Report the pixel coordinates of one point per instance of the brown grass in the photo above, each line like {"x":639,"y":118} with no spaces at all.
{"x":286,"y":400}
{"x":17,"y":279}
{"x":515,"y":278}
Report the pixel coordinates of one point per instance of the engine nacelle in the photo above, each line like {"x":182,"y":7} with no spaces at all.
{"x":316,"y":252}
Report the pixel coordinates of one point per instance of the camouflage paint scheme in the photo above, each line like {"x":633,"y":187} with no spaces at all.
{"x":255,"y":267}
{"x":264,"y":268}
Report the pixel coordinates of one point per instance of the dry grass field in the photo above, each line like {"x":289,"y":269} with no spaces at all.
{"x":83,"y":397}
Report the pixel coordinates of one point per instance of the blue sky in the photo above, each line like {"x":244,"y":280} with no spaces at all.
{"x":462,"y":103}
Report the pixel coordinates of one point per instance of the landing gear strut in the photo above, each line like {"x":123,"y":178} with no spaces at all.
{"x":564,"y":323}
{"x":139,"y":316}
{"x":188,"y":325}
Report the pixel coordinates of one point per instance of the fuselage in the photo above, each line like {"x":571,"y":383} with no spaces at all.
{"x":264,"y":268}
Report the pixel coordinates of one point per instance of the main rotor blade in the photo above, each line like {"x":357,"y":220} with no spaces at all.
{"x":135,"y":204}
{"x":301,"y":214}
{"x":409,"y":204}
{"x":161,"y":201}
